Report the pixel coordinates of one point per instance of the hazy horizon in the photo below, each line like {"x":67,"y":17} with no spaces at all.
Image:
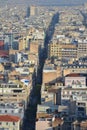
{"x":44,"y":2}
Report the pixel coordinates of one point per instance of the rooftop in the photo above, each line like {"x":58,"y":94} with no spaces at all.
{"x":43,"y":125}
{"x":9,"y":118}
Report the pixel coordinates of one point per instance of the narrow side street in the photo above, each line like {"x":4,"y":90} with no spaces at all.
{"x":34,"y":99}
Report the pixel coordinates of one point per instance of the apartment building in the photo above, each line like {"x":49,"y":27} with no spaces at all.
{"x":43,"y":124}
{"x":76,"y":90}
{"x":68,"y":69}
{"x":32,"y":10}
{"x":52,"y":72}
{"x":50,"y":99}
{"x":9,"y":122}
{"x":23,"y":44}
{"x":12,"y":108}
{"x":62,"y":51}
{"x":82,"y":49}
{"x":13,"y":93}
{"x":34,"y":47}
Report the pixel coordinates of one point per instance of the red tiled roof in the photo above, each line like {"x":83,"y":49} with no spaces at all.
{"x":4,"y":53}
{"x":73,"y":75}
{"x":9,"y":118}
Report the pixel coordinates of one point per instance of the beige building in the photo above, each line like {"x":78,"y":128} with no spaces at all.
{"x":8,"y":122}
{"x":43,"y":125}
{"x":13,"y":93}
{"x":23,"y":44}
{"x":34,"y":47}
{"x":33,"y":58}
{"x":13,"y":75}
{"x":74,"y":69}
{"x":62,"y":51}
{"x":32,"y":10}
{"x":82,"y":50}
{"x":54,"y":49}
{"x":51,"y":72}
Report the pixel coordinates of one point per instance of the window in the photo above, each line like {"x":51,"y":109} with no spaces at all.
{"x":12,"y":111}
{"x":6,"y":123}
{"x":5,"y":111}
{"x":0,"y":123}
{"x":48,"y":110}
{"x":13,"y":123}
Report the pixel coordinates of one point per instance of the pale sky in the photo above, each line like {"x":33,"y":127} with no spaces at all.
{"x":48,"y":2}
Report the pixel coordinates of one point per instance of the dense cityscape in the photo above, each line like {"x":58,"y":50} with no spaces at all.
{"x":43,"y":67}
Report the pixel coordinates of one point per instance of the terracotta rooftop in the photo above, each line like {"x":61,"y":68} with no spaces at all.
{"x":4,"y":53}
{"x":9,"y":118}
{"x":74,"y":75}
